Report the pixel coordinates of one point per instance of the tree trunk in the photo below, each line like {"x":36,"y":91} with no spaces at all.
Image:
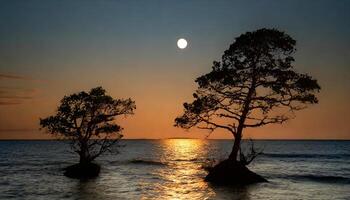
{"x":235,"y":148}
{"x":84,"y":159}
{"x":238,"y":134}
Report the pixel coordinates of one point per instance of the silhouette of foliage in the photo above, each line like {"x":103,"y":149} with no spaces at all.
{"x":253,"y":85}
{"x":86,"y":120}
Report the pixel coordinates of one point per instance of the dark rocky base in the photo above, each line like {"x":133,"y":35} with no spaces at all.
{"x":81,"y":171}
{"x":232,"y":173}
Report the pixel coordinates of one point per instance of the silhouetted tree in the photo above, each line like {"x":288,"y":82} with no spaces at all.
{"x":253,"y":85}
{"x":86,"y":120}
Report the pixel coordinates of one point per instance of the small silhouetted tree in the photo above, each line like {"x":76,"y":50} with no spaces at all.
{"x":253,"y":85}
{"x":87,"y":121}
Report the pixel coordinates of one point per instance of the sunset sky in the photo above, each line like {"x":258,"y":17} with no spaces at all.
{"x":49,"y":49}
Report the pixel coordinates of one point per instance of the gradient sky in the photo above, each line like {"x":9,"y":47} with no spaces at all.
{"x":52,"y":48}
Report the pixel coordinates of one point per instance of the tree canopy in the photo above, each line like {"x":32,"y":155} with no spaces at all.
{"x":87,"y":121}
{"x":253,"y":85}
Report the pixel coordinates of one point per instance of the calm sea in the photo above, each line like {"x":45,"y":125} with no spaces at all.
{"x":172,"y":169}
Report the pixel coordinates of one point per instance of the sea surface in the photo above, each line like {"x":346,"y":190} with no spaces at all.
{"x":173,"y":169}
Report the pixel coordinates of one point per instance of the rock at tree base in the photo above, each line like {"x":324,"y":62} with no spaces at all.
{"x":232,"y":173}
{"x":80,"y":171}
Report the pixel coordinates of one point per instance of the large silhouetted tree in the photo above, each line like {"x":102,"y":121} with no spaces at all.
{"x":253,"y":85}
{"x":87,"y":121}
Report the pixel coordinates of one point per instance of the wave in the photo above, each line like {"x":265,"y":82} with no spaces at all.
{"x":328,"y":156}
{"x":147,"y":162}
{"x":321,"y":178}
{"x":185,"y":160}
{"x":153,"y":162}
{"x":38,"y":163}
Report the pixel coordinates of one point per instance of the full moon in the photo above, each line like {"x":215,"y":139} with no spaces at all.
{"x":182,"y":43}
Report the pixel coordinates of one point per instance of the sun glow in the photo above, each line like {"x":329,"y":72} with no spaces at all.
{"x":185,"y":149}
{"x":184,"y":176}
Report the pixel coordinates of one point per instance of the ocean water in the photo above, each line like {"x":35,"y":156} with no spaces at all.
{"x":172,"y":169}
